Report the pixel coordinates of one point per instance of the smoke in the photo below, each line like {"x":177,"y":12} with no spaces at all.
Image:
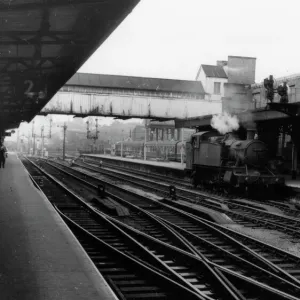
{"x":224,"y":123}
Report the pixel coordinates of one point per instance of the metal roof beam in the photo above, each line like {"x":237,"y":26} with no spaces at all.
{"x":41,"y":42}
{"x":29,"y":58}
{"x":48,"y":4}
{"x":10,"y":33}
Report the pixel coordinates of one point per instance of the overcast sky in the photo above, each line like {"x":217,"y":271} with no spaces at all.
{"x":171,"y":38}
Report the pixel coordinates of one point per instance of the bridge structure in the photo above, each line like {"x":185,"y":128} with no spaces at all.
{"x":128,"y":97}
{"x":43,"y":43}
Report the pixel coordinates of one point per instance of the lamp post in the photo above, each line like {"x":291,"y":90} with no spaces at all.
{"x":64,"y":139}
{"x":42,"y":138}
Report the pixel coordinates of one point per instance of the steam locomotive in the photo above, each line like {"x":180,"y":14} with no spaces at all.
{"x":227,"y":162}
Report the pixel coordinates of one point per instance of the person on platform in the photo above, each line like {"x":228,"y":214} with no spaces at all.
{"x":3,"y":155}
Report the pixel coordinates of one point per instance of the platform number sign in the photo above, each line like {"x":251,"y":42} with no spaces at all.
{"x":33,"y":90}
{"x":29,"y":86}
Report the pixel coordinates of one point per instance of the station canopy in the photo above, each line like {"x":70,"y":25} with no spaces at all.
{"x":43,"y":43}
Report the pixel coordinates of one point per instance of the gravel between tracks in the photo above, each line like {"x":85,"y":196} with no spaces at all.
{"x":271,"y":237}
{"x":141,"y":192}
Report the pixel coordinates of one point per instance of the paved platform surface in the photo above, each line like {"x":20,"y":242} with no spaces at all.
{"x":39,"y":257}
{"x":171,"y":164}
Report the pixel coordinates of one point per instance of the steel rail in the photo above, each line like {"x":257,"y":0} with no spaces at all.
{"x":233,"y":246}
{"x":186,"y":265}
{"x":259,"y":219}
{"x":202,"y":281}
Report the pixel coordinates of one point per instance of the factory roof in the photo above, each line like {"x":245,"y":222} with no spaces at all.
{"x":214,"y":71}
{"x":136,"y":83}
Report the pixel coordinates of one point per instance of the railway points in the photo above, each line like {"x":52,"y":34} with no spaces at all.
{"x":250,"y":284}
{"x":244,"y":215}
{"x":287,"y":207}
{"x":272,"y":251}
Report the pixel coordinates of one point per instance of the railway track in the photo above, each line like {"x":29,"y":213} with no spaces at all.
{"x":286,"y":208}
{"x":97,"y":228}
{"x":212,"y":244}
{"x":194,"y":273}
{"x":241,"y":214}
{"x":127,"y":277}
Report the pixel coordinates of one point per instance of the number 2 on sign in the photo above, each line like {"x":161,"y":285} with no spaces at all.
{"x":30,"y":86}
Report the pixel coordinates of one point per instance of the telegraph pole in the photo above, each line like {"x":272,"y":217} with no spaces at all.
{"x":42,"y":137}
{"x":181,"y":148}
{"x":18,"y":136}
{"x":33,"y":135}
{"x":122,"y":143}
{"x":28,"y":142}
{"x":50,"y":127}
{"x":64,"y":143}
{"x":145,"y":147}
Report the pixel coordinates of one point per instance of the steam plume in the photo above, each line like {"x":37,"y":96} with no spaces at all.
{"x":224,"y":123}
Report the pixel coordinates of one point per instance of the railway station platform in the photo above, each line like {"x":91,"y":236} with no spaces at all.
{"x":293,"y":183}
{"x":173,"y":169}
{"x":39,"y":256}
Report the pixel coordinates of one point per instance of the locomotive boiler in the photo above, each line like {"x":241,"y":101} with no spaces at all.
{"x":226,"y":161}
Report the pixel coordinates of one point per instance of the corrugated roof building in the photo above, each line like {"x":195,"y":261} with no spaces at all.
{"x":136,"y":83}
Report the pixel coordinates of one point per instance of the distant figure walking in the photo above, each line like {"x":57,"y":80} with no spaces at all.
{"x":2,"y":155}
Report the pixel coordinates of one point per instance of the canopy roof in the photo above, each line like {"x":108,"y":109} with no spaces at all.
{"x":43,"y":43}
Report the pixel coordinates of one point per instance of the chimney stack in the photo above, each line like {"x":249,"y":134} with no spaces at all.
{"x":222,"y":63}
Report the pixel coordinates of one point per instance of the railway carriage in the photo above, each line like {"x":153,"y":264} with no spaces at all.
{"x":165,"y":150}
{"x":130,"y":148}
{"x":161,"y":150}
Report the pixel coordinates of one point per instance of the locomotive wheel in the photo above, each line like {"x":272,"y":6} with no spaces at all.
{"x":194,"y":181}
{"x":227,"y":190}
{"x":248,"y":191}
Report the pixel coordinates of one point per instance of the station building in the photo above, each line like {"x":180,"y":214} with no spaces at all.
{"x":223,"y":84}
{"x":277,"y":124}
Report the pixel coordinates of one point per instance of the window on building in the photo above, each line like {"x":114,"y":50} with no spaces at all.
{"x":217,"y":87}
